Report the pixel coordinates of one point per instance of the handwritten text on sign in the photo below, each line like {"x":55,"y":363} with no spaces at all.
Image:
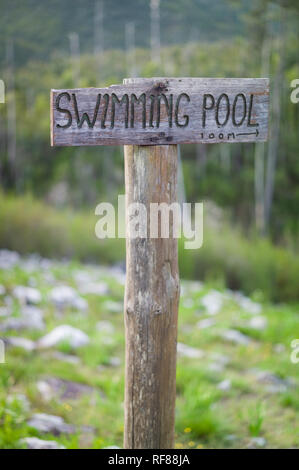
{"x":162,"y":111}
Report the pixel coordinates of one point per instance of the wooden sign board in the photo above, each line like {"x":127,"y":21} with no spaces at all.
{"x":161,"y":111}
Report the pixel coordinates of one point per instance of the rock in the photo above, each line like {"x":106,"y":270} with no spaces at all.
{"x":45,"y":390}
{"x":113,"y":307}
{"x":35,"y":443}
{"x":230,"y":437}
{"x":66,"y":296}
{"x":94,"y":288}
{"x":247,"y":304}
{"x":64,"y":333}
{"x":46,"y":264}
{"x":111,"y":447}
{"x":279,"y":348}
{"x":21,"y":399}
{"x":187,"y":351}
{"x":54,"y":387}
{"x":118,"y":273}
{"x":258,"y":323}
{"x":188,"y":303}
{"x":257,"y":442}
{"x":2,"y":290}
{"x":236,"y":337}
{"x":216,"y":367}
{"x":8,"y":301}
{"x":80,"y":304}
{"x":4,"y":312}
{"x":82,"y":276}
{"x":106,"y":327}
{"x":212,"y":302}
{"x":22,"y":343}
{"x":221,"y":358}
{"x":225,"y":385}
{"x":70,"y":358}
{"x":45,"y":423}
{"x":8,"y":259}
{"x":48,"y":278}
{"x":191,"y":287}
{"x":114,"y":361}
{"x":31,"y":318}
{"x":28,"y":295}
{"x":206,"y":323}
{"x":273,"y":383}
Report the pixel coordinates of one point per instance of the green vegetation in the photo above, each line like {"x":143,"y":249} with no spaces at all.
{"x":252,"y":265}
{"x":207,"y":415}
{"x":63,"y":18}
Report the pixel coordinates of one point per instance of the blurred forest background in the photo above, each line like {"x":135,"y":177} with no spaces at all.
{"x":250,"y":190}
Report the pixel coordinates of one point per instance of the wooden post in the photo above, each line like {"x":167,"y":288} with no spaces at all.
{"x":151,"y":305}
{"x":156,"y":111}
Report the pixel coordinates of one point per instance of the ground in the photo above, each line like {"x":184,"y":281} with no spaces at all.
{"x":236,"y":384}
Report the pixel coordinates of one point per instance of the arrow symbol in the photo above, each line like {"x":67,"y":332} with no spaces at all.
{"x":256,"y":133}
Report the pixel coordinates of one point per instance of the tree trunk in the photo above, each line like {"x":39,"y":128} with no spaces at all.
{"x":151,"y":305}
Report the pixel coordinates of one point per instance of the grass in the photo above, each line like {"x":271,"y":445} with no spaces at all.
{"x":256,"y":418}
{"x":205,"y":415}
{"x":252,"y":265}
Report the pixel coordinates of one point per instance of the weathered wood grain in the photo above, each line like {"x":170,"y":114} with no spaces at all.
{"x":151,"y":305}
{"x":170,"y":111}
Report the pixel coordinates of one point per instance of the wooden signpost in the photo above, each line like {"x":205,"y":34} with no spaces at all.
{"x":149,"y":117}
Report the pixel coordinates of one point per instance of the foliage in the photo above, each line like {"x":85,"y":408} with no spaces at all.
{"x":253,"y":265}
{"x":206,"y":416}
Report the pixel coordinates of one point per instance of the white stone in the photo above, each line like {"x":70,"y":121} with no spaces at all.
{"x":111,"y":447}
{"x":22,"y":343}
{"x":113,"y":307}
{"x":188,"y":303}
{"x":257,"y":442}
{"x":258,"y":323}
{"x":8,"y":259}
{"x":45,"y":390}
{"x":105,"y":326}
{"x":2,"y":290}
{"x":50,"y":424}
{"x":70,"y":358}
{"x":36,"y":443}
{"x":4,"y":312}
{"x":31,"y":318}
{"x":94,"y":288}
{"x":279,"y":348}
{"x":64,"y":333}
{"x":272,"y":382}
{"x":212,"y":302}
{"x":235,"y":336}
{"x":66,"y":296}
{"x":80,"y":304}
{"x":247,"y":304}
{"x":21,"y":399}
{"x":187,"y":351}
{"x":27,"y":294}
{"x":216,"y":367}
{"x":114,"y":361}
{"x":206,"y":323}
{"x":221,"y":358}
{"x":225,"y":385}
